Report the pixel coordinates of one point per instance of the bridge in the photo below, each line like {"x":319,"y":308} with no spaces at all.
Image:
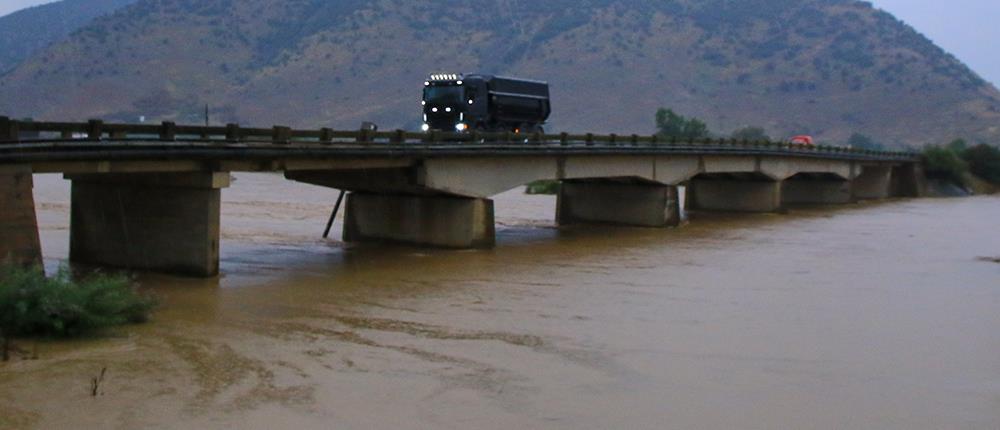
{"x":147,"y":197}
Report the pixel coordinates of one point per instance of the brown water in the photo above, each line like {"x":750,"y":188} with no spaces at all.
{"x":876,"y":316}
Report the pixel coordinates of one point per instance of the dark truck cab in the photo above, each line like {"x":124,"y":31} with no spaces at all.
{"x":482,"y":102}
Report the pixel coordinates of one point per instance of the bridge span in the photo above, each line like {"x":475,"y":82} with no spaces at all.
{"x":147,"y":197}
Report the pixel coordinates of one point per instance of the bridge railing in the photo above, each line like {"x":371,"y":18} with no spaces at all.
{"x":13,"y":131}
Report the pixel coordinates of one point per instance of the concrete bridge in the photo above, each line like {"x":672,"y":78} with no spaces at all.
{"x":147,"y":197}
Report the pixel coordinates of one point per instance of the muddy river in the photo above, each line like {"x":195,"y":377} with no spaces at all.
{"x":871,"y":316}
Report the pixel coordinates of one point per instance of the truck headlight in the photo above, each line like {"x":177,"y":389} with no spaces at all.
{"x":425,"y":127}
{"x":461,"y":127}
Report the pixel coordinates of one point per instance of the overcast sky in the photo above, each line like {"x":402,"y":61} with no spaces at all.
{"x":966,"y":28}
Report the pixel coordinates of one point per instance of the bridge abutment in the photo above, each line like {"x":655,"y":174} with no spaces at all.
{"x":438,"y":221}
{"x":19,"y":242}
{"x":734,"y":195}
{"x":165,"y":222}
{"x":640,"y":205}
{"x":874,"y":183}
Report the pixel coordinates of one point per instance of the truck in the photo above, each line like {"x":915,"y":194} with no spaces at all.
{"x":460,"y":103}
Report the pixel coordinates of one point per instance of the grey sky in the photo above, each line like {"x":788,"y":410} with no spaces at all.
{"x":966,"y":28}
{"x":8,"y":6}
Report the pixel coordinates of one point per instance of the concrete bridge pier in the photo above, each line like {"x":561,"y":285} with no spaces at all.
{"x":734,"y":195}
{"x":164,"y":222}
{"x":874,"y":183}
{"x":806,"y":189}
{"x":909,"y":180}
{"x":428,"y":220}
{"x":19,"y":242}
{"x":639,"y":205}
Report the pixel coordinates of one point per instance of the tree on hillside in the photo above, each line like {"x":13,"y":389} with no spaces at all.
{"x":860,"y":141}
{"x":751,"y":134}
{"x":669,"y":124}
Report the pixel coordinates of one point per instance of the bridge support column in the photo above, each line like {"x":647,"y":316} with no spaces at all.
{"x":909,"y":180}
{"x":164,"y":222}
{"x":815,"y":192}
{"x":734,"y":195}
{"x":873,"y":183}
{"x":19,"y":243}
{"x":437,"y":221}
{"x":640,"y":205}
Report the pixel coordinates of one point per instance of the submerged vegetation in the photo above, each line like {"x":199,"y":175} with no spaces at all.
{"x":956,"y":161}
{"x":60,"y":306}
{"x":544,"y":187}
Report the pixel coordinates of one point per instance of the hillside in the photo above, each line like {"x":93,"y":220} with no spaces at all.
{"x":25,"y":32}
{"x":825,"y":67}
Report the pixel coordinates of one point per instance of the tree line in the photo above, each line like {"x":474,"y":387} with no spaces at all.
{"x":953,"y":162}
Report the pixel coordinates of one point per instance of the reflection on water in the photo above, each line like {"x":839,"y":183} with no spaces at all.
{"x":869,"y":316}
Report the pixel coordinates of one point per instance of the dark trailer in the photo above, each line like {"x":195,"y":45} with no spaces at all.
{"x":483,"y":102}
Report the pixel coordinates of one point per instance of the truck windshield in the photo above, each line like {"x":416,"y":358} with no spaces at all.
{"x":444,"y":95}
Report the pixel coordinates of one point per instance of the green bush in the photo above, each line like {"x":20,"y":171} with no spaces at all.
{"x":32,"y":304}
{"x":945,"y":164}
{"x":545,"y":187}
{"x":983,"y":161}
{"x":671,"y":125}
{"x":955,"y":160}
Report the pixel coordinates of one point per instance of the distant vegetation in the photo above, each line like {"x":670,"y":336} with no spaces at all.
{"x":955,"y":161}
{"x":751,"y":134}
{"x":671,"y":125}
{"x":34,"y":305}
{"x":860,"y":141}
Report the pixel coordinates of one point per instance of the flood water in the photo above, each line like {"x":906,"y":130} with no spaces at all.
{"x":869,"y":316}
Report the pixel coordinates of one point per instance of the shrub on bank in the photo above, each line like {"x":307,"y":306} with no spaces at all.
{"x":32,"y":304}
{"x":984,"y":162}
{"x":955,"y":161}
{"x":945,"y":164}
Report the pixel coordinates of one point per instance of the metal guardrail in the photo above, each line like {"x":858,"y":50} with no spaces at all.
{"x":16,"y":132}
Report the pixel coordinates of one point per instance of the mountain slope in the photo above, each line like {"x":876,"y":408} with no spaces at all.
{"x":826,"y":67}
{"x":27,"y":31}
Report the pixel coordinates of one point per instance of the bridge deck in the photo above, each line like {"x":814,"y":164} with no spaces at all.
{"x":202,"y":150}
{"x":54,"y":143}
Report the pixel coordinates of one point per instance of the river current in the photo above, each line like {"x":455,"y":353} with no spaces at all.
{"x":874,"y":315}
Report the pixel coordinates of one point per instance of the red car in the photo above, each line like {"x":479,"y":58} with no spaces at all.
{"x":802,"y":140}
